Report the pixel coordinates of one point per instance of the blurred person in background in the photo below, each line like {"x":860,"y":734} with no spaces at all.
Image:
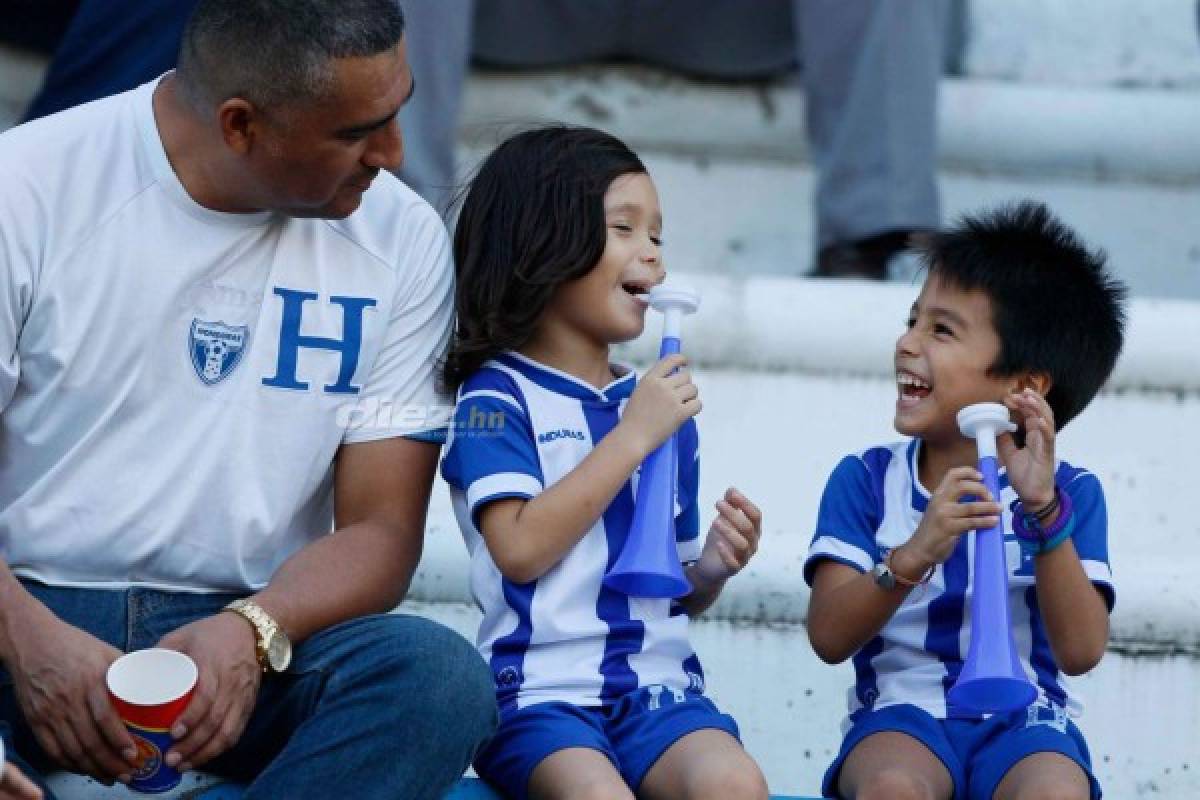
{"x":870,"y":73}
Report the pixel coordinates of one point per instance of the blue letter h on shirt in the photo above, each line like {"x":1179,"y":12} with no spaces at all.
{"x":291,"y":340}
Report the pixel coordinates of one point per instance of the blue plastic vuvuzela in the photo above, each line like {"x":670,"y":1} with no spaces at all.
{"x":648,"y":565}
{"x":992,"y":678}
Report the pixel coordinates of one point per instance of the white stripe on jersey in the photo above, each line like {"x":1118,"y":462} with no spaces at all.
{"x":507,"y":398}
{"x":842,"y":551}
{"x":502,"y":483}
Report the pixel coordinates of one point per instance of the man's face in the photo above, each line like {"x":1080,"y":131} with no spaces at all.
{"x":315,"y":159}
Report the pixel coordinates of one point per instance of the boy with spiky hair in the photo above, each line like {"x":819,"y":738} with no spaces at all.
{"x":1015,"y":309}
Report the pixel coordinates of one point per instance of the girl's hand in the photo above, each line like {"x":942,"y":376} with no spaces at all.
{"x":1030,"y":468}
{"x":664,"y":399}
{"x":948,"y":518}
{"x":732,"y":540}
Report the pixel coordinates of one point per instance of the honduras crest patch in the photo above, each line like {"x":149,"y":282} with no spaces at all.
{"x":216,"y":349}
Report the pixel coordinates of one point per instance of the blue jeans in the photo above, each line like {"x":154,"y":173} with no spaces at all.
{"x":387,"y":706}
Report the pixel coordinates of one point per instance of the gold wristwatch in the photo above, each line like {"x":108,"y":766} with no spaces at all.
{"x":272,"y":646}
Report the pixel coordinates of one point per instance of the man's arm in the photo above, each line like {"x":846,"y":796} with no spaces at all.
{"x":381,"y":495}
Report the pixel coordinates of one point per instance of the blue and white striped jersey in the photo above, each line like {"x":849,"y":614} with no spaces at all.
{"x":874,"y":502}
{"x":521,"y":426}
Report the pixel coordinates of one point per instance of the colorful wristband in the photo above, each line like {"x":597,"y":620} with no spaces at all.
{"x":1036,"y":539}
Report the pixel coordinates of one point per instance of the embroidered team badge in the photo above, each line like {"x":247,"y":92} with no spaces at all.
{"x":216,"y":349}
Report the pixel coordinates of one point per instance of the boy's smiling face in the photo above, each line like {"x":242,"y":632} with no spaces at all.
{"x":942,"y":361}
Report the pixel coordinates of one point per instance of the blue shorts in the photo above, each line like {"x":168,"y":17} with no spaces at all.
{"x":633,"y":733}
{"x":977,"y":753}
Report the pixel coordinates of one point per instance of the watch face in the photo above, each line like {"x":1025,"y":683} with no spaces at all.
{"x":279,"y":653}
{"x":884,"y":577}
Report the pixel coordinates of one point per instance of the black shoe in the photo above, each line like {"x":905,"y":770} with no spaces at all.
{"x":863,"y":258}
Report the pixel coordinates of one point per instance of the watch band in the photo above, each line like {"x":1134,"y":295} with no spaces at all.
{"x":265,"y":627}
{"x":887,"y":578}
{"x":903,"y":581}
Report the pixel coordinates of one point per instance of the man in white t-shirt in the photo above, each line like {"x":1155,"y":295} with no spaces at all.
{"x":220,"y":322}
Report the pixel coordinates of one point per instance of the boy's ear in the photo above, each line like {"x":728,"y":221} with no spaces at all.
{"x":1040,"y":382}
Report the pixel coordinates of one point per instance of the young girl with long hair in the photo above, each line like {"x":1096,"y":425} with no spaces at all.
{"x":600,"y":694}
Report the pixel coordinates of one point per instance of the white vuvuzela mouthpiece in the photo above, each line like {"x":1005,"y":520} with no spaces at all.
{"x":671,"y":298}
{"x":981,"y":422}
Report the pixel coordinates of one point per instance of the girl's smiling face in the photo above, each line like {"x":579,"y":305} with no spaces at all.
{"x":608,"y":304}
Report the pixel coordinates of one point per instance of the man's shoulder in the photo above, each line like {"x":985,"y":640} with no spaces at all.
{"x":394,"y":225}
{"x":62,"y":139}
{"x":64,"y":171}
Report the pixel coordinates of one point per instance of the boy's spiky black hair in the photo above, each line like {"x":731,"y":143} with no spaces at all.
{"x":1055,"y":307}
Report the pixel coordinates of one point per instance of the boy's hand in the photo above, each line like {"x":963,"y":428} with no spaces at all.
{"x":1030,"y":468}
{"x":663,"y":400}
{"x":948,"y":518}
{"x":732,"y":539}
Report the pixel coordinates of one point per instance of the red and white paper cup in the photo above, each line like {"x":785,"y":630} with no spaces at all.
{"x":150,"y":689}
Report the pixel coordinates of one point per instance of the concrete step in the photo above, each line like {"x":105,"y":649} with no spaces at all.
{"x":984,"y":125}
{"x":203,"y":787}
{"x":1130,"y":43}
{"x":740,"y":219}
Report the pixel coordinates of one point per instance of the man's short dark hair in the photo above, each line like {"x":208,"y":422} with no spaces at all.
{"x":1055,"y":307}
{"x":272,"y":52}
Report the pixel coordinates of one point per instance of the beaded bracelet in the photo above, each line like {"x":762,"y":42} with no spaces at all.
{"x":1037,"y":539}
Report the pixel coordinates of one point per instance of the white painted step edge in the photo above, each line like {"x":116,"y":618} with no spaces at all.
{"x":850,"y":327}
{"x":1139,"y":134}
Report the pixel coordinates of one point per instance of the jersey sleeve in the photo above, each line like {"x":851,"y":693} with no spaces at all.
{"x":492,"y":453}
{"x":401,"y":397}
{"x":846,"y":520}
{"x":1090,"y":534}
{"x":687,"y":520}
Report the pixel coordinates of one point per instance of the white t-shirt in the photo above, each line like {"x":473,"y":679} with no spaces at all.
{"x":176,"y":382}
{"x":519,"y":427}
{"x":874,"y":502}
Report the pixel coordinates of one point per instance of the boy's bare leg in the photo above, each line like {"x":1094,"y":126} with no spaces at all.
{"x":1044,"y":775}
{"x":704,"y":765}
{"x":894,"y":766}
{"x":577,"y":773}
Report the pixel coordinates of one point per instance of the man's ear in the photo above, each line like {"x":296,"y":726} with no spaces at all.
{"x":240,"y":124}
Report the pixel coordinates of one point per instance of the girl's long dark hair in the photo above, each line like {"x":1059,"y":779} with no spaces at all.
{"x":532,"y":220}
